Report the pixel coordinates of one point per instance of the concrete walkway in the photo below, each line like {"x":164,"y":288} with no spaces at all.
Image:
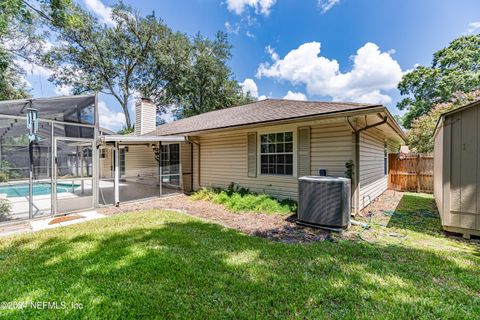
{"x":42,"y":224}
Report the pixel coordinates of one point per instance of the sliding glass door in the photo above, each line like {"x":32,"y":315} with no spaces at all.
{"x":170,"y":168}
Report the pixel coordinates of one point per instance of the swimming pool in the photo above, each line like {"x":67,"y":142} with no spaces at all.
{"x":39,"y":189}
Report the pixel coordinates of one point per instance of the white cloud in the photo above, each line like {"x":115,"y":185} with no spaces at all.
{"x":273,"y":55}
{"x":249,"y":34}
{"x":104,"y":12}
{"x":295,"y":96}
{"x":260,"y":6}
{"x":262,"y":97}
{"x":110,"y":119}
{"x":372,"y":73}
{"x":232,"y":29}
{"x":249,"y":85}
{"x":473,"y":27}
{"x":326,"y":5}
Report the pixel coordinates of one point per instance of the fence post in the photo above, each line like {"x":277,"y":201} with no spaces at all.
{"x":417,"y":170}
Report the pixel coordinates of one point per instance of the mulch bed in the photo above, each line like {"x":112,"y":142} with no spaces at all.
{"x":273,"y":227}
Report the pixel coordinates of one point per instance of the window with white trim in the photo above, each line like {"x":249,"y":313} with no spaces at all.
{"x":276,"y":153}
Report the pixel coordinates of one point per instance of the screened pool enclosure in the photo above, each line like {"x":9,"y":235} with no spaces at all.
{"x":54,"y":159}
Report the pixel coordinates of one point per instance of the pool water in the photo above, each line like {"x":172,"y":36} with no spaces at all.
{"x":39,"y":189}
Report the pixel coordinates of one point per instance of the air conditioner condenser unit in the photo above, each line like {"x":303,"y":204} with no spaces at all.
{"x":324,"y":202}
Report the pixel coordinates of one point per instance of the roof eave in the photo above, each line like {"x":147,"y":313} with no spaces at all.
{"x":149,"y":138}
{"x":333,"y":114}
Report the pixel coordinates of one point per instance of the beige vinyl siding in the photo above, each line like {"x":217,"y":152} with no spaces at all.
{"x":140,"y":164}
{"x":106,"y":165}
{"x":331,"y":147}
{"x":224,"y":160}
{"x":373,"y":180}
{"x":224,"y":157}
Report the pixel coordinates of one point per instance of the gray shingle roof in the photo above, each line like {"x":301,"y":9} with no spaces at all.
{"x":254,"y":113}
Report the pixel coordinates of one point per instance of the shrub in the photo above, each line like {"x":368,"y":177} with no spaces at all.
{"x":203,"y":194}
{"x":5,"y":208}
{"x":239,"y":199}
{"x":3,"y":176}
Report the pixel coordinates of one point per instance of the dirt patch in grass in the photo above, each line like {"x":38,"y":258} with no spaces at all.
{"x":273,"y":227}
{"x":65,"y":218}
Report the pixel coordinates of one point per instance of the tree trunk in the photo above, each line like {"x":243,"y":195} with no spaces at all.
{"x":128,"y":122}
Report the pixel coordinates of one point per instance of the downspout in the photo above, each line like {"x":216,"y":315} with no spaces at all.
{"x":198,"y":166}
{"x":191,"y":166}
{"x":356,"y":187}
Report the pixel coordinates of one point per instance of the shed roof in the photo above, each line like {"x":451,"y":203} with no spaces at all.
{"x":257,"y":112}
{"x":443,"y":115}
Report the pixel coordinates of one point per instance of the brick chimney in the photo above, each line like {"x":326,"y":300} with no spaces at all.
{"x":145,"y":116}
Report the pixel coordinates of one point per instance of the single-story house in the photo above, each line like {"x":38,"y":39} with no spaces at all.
{"x":55,"y":158}
{"x":267,"y":145}
{"x":456,"y":169}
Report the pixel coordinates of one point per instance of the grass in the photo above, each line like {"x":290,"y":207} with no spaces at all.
{"x":417,"y":212}
{"x":237,"y":199}
{"x":162,"y":264}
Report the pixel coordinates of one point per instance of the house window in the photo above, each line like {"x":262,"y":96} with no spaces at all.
{"x":385,"y":158}
{"x":276,"y":153}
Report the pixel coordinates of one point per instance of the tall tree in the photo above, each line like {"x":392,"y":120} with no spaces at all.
{"x":91,"y":56}
{"x":14,"y":20}
{"x":455,"y":68}
{"x":22,"y":39}
{"x":207,"y":82}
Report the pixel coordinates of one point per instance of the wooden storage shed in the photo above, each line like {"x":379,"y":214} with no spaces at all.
{"x":457,"y":169}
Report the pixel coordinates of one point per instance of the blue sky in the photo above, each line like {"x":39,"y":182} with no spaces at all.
{"x":341,"y":50}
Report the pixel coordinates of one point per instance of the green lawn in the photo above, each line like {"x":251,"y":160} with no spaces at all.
{"x":162,"y":264}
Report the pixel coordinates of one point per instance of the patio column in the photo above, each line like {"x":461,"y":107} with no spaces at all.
{"x":116,"y":174}
{"x":160,"y":166}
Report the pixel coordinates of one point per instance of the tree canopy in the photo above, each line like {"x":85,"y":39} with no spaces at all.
{"x":23,"y":38}
{"x":455,"y":68}
{"x":14,"y":19}
{"x":207,"y":83}
{"x":142,"y":56}
{"x":420,"y":136}
{"x":135,"y":56}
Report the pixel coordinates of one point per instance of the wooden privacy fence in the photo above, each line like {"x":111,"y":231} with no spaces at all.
{"x":413,"y":172}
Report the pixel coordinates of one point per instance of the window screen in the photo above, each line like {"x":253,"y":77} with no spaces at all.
{"x":276,"y":153}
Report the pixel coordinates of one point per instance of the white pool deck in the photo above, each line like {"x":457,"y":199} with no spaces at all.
{"x":44,"y":223}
